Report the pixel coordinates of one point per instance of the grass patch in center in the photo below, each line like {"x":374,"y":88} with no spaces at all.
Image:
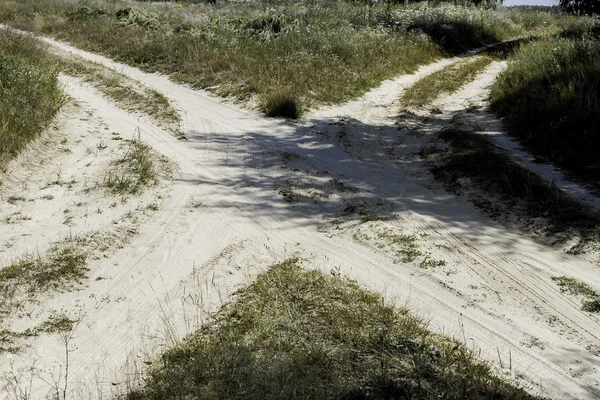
{"x":447,"y":80}
{"x":308,"y":335}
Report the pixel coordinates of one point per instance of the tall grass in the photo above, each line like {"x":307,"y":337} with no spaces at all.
{"x":30,"y":93}
{"x":296,"y":334}
{"x":318,"y":53}
{"x":550,"y":98}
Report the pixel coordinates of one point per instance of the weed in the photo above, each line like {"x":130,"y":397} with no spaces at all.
{"x":15,"y":199}
{"x":307,"y":334}
{"x":591,"y":302}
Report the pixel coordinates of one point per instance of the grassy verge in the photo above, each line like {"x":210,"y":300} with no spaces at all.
{"x":304,"y":334}
{"x":310,"y":54}
{"x":550,"y":99}
{"x":473,"y":156}
{"x":30,"y":93}
{"x":128,"y":93}
{"x":447,"y":80}
{"x":591,"y":302}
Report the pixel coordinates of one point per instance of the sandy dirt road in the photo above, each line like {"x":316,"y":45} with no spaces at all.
{"x":337,"y":189}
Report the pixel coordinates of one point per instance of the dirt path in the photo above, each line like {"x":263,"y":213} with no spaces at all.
{"x":343,"y":190}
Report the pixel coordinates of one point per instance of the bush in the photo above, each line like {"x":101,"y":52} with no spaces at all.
{"x":281,"y":105}
{"x":30,"y":93}
{"x":550,"y":98}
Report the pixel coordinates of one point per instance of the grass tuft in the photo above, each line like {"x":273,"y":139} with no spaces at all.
{"x":136,"y":170}
{"x":305,"y":334}
{"x":281,"y":105}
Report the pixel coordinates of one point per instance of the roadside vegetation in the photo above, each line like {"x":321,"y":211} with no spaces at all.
{"x":473,"y":156}
{"x":550,"y":98}
{"x":295,"y":333}
{"x":30,"y":94}
{"x":290,"y":53}
{"x":445,"y":81}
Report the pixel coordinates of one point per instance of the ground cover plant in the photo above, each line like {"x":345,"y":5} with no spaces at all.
{"x":447,"y":80}
{"x":591,"y":298}
{"x":290,"y":55}
{"x":550,"y":98}
{"x":472,"y":155}
{"x":306,"y":334}
{"x":30,"y":93}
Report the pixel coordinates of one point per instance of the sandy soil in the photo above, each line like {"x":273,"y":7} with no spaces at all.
{"x":344,"y":189}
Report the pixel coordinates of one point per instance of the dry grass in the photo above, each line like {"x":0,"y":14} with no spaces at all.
{"x":305,"y":334}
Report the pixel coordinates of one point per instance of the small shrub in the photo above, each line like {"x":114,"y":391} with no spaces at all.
{"x":281,"y":105}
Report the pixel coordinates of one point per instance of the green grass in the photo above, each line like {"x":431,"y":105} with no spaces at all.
{"x":447,"y":80}
{"x":30,"y":94}
{"x":129,"y":94}
{"x":136,"y":170}
{"x":550,"y":99}
{"x":591,"y":302}
{"x":316,"y":54}
{"x":474,"y":156}
{"x":297,"y":334}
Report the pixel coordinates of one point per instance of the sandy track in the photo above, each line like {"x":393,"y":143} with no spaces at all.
{"x":221,"y":221}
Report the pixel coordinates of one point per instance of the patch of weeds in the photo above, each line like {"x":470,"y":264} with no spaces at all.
{"x":133,"y":172}
{"x":447,"y":80}
{"x":591,"y":302}
{"x":47,"y":197}
{"x":303,"y":334}
{"x":14,"y":199}
{"x":16,"y":218}
{"x":152,"y":207}
{"x":429,"y":262}
{"x":56,"y":323}
{"x":281,"y":105}
{"x":24,"y":280}
{"x":340,"y":186}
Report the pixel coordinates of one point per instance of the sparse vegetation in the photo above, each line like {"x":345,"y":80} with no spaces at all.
{"x":591,"y":298}
{"x":29,"y":93}
{"x":305,"y":334}
{"x":128,"y":93}
{"x":549,"y":96}
{"x":137,"y":169}
{"x":22,"y":281}
{"x":473,"y":156}
{"x":447,"y":80}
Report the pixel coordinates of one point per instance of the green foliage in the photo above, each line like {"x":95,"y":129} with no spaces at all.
{"x":591,"y":302}
{"x":581,"y":7}
{"x":29,"y":93}
{"x":308,"y":335}
{"x":133,"y":172}
{"x":550,"y":98}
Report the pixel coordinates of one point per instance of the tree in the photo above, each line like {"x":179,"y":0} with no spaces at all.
{"x":581,"y":7}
